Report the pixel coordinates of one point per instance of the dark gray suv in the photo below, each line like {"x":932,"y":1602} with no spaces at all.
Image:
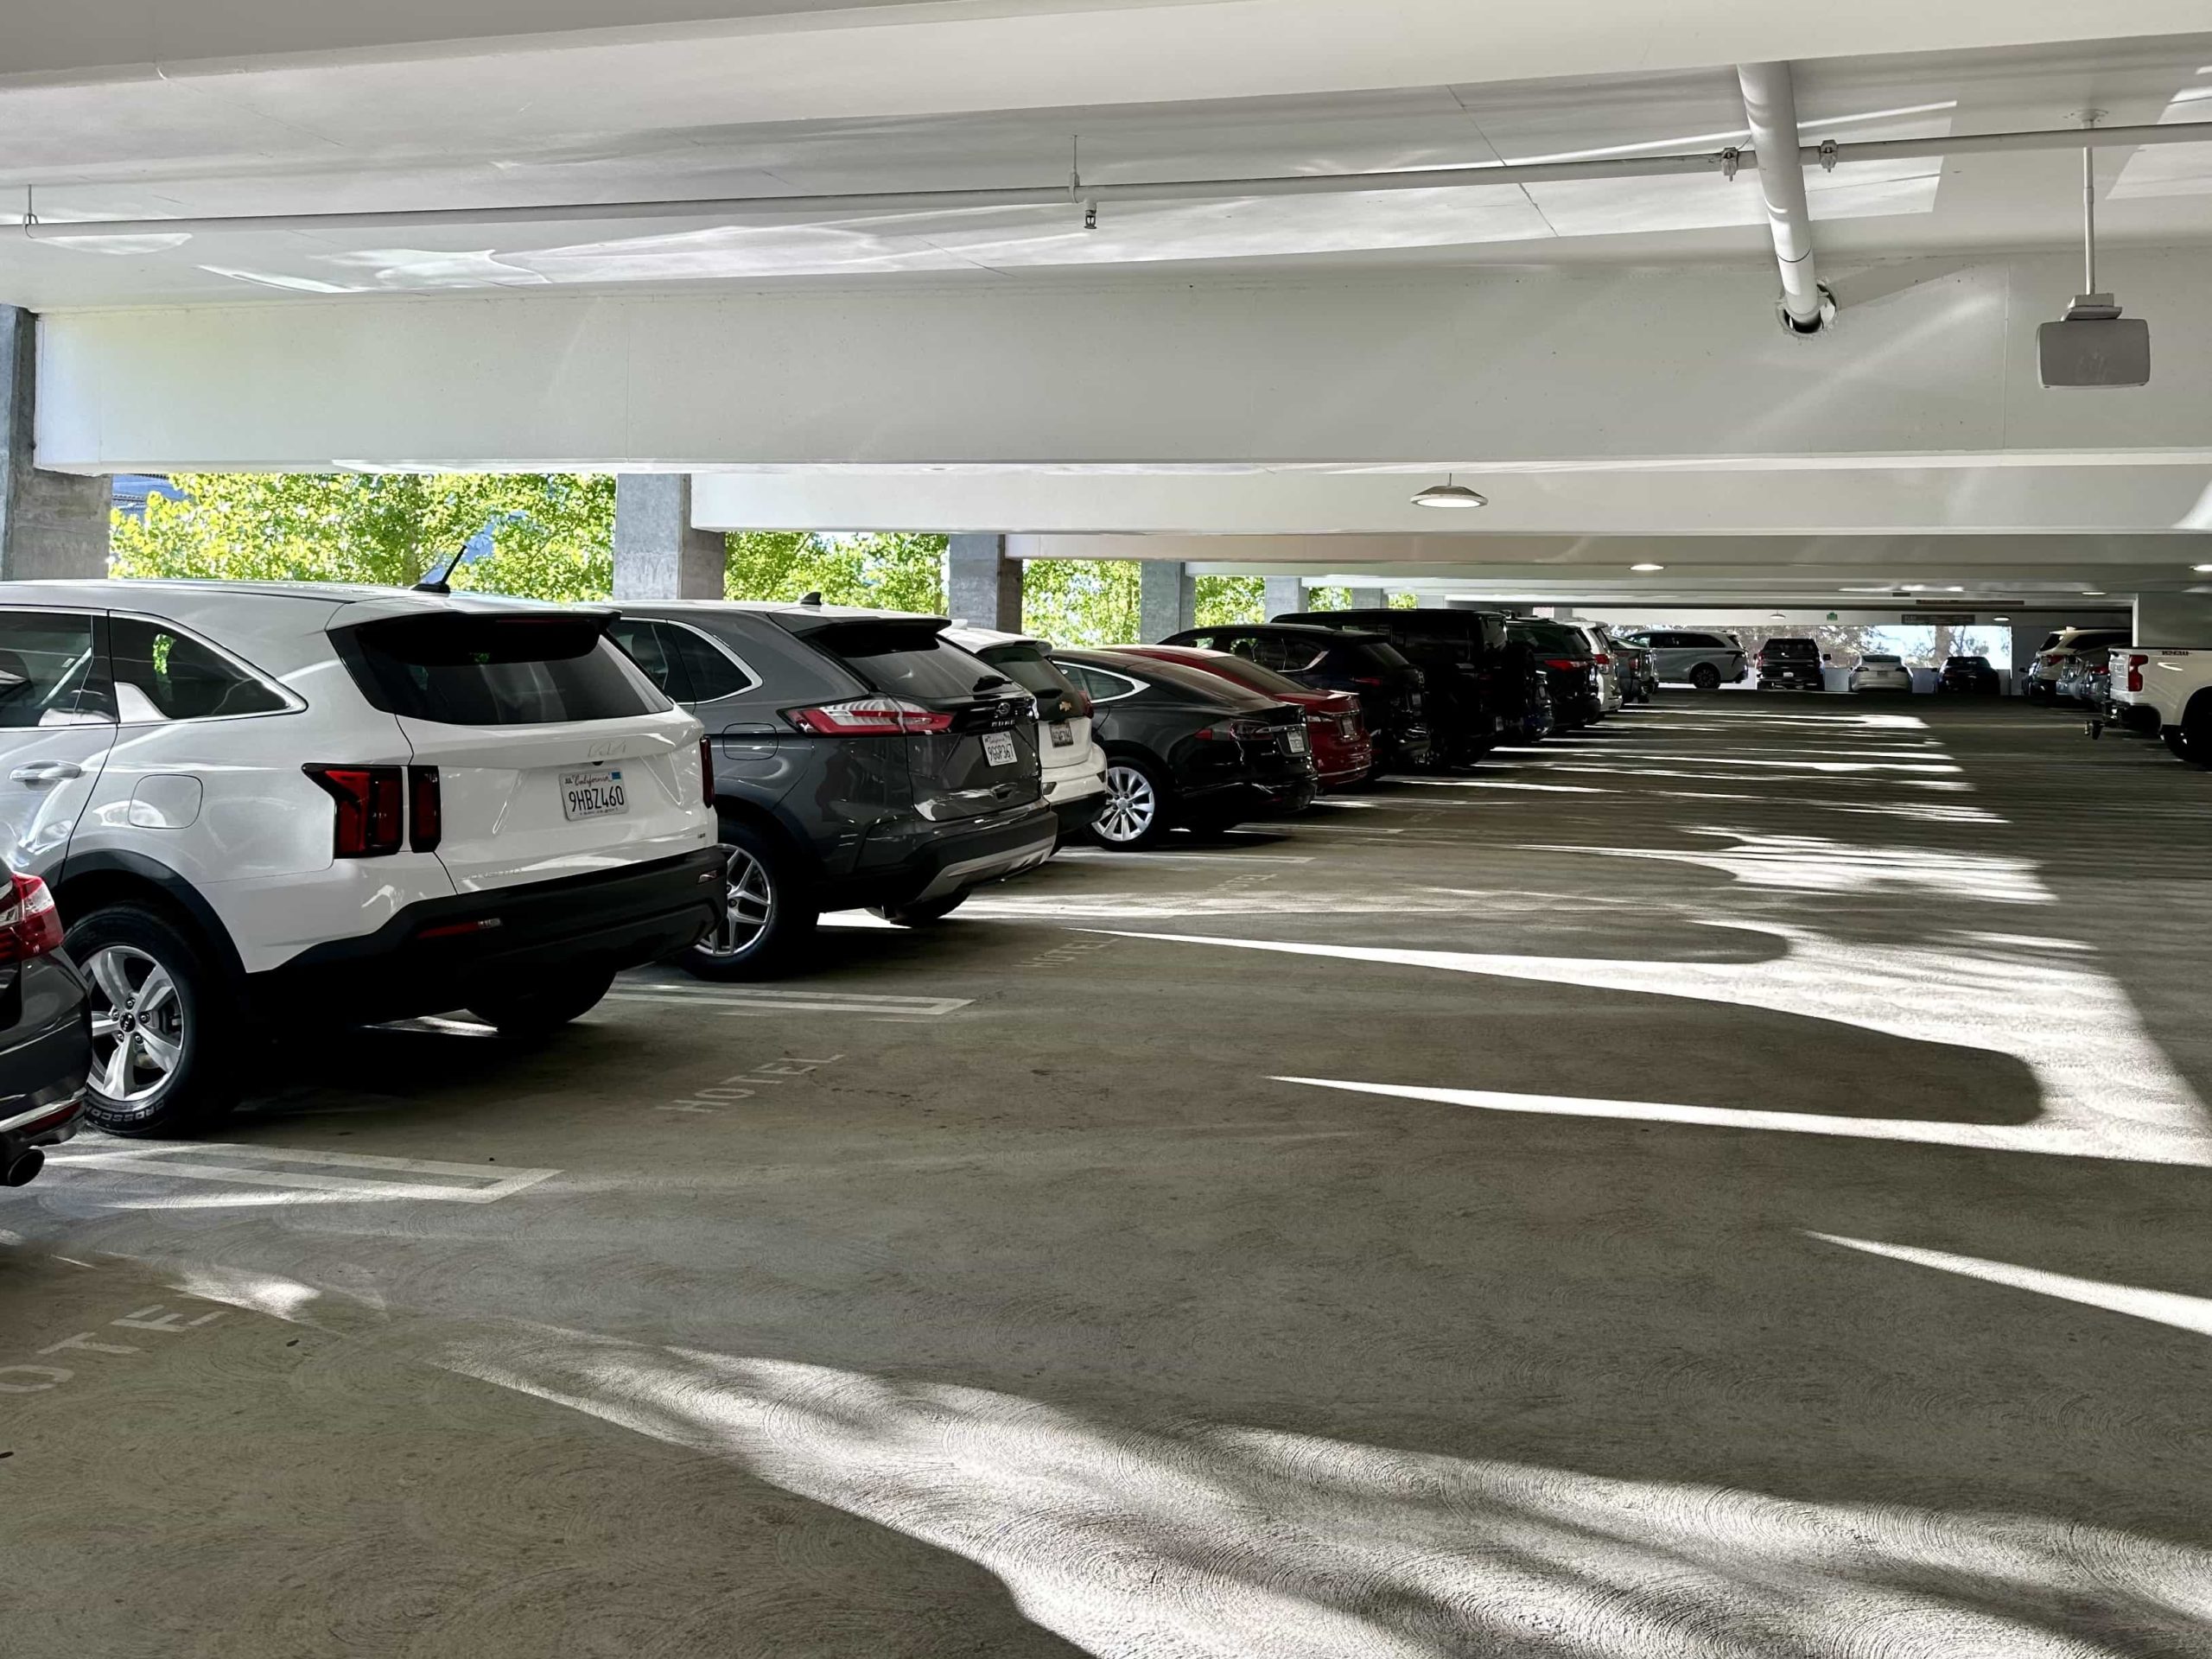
{"x":860,"y":760}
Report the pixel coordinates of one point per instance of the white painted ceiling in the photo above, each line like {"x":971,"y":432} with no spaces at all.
{"x":638,"y":119}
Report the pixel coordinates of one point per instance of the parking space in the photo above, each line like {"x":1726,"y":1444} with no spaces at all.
{"x":1727,"y":1177}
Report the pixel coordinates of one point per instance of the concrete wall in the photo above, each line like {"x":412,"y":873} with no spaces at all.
{"x":1167,"y":600}
{"x":982,"y":586}
{"x":658,"y":554}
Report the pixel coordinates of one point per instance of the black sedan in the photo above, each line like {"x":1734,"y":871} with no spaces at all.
{"x":46,"y":1031}
{"x":1970,"y":675}
{"x":1388,"y":687}
{"x":1188,"y":749}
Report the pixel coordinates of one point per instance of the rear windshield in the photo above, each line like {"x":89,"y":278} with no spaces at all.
{"x":460,"y":669}
{"x":1385,"y":655}
{"x":905,"y":659}
{"x":1553,"y":636}
{"x":1882,"y":662}
{"x":1791,"y":648}
{"x":1028,"y":668}
{"x":1248,"y":673}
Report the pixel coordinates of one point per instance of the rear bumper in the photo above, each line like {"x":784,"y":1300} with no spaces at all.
{"x":1079,"y":814}
{"x":947,"y":863}
{"x":1248,"y":798}
{"x":1807,"y":679}
{"x":435,"y":955}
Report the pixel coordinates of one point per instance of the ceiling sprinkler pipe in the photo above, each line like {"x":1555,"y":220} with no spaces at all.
{"x":1770,"y":112}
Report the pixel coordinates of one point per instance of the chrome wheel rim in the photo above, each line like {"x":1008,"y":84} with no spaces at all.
{"x":1131,"y":805}
{"x":138,"y":1025}
{"x":749,"y":906}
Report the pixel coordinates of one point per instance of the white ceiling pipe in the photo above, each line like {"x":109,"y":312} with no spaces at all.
{"x":831,"y":208}
{"x":1770,"y":112}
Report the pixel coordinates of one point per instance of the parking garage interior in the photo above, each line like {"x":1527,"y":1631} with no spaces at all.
{"x":1720,"y":1180}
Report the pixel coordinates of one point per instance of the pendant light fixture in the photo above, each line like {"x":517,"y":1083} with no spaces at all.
{"x":1448,"y":494}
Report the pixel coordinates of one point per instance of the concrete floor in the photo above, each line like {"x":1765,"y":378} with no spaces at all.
{"x":1731,"y":1184}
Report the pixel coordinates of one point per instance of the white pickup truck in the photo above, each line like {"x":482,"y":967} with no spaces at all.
{"x":2166,"y":692}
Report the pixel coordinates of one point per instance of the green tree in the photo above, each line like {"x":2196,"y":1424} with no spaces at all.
{"x":890,"y":571}
{"x":1223,"y":600}
{"x":1080,"y":601}
{"x":551,"y":534}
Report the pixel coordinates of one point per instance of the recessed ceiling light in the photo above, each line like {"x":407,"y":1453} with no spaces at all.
{"x":1646,"y":568}
{"x":2093,"y":592}
{"x":2202,"y":569}
{"x":1448,"y":494}
{"x":2000,"y":618}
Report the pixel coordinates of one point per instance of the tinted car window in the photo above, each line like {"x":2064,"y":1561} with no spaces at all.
{"x":1554,"y":636}
{"x":45,"y":659}
{"x":907,"y":660}
{"x":1388,"y":656}
{"x":461,"y":670}
{"x":160,"y":674}
{"x":1806,"y":648}
{"x":644,"y":643}
{"x":1101,"y":686}
{"x":1255,"y":677}
{"x":1030,"y":669}
{"x":707,"y":670}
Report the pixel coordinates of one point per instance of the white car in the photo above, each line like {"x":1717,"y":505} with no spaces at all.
{"x":1074,"y":765}
{"x":1880,"y":671}
{"x":2062,"y":649}
{"x":278,"y":804}
{"x":1707,"y":661}
{"x":2166,"y":692}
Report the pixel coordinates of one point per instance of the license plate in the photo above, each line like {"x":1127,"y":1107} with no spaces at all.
{"x":998,"y":748}
{"x":1294,"y":739}
{"x":594,"y":794}
{"x":1063,"y":734}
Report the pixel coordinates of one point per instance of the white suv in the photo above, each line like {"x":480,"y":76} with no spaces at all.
{"x":284,"y":803}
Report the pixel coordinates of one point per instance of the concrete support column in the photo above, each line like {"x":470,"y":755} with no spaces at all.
{"x":1367,"y":599}
{"x":658,"y":554}
{"x":982,"y":587}
{"x":51,"y":523}
{"x":2173,"y":619}
{"x":1168,"y":598}
{"x":1431,"y":602}
{"x":1284,"y":595}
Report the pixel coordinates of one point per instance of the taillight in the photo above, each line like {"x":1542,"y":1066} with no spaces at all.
{"x":369,"y":810}
{"x":30,"y":925}
{"x":2135,"y":672}
{"x":1565,"y":664}
{"x":426,"y":809}
{"x":707,"y":771}
{"x":869,"y":717}
{"x":1238,"y":731}
{"x":1602,"y":660}
{"x":1370,"y":680}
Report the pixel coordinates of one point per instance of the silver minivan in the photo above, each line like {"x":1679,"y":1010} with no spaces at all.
{"x":1707,"y":661}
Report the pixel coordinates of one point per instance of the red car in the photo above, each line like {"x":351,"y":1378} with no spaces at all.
{"x":1343,"y":753}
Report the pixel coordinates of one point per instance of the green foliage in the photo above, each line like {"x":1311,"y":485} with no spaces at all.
{"x":1080,"y":601}
{"x":552,"y":535}
{"x":896,"y":572}
{"x":1328,"y":599}
{"x":1404,"y":601}
{"x":1223,"y":600}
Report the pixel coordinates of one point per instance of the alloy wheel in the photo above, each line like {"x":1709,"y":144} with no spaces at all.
{"x":138,"y":1024}
{"x":749,"y":906}
{"x":1131,"y":806}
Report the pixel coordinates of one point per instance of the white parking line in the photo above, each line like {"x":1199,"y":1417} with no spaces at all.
{"x":1087,"y":855}
{"x":378,"y":1177}
{"x":763,"y":1000}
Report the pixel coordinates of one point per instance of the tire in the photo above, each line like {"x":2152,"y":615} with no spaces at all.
{"x":167,"y":1026}
{"x":2192,"y":741}
{"x":1136,"y":810}
{"x":1706,"y":677}
{"x":924,"y":911}
{"x":769,"y":910}
{"x":545,"y":1008}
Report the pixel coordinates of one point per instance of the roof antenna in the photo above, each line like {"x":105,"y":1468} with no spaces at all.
{"x":814,"y":598}
{"x":438,"y":582}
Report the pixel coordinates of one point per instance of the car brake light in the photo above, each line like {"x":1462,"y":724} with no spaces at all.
{"x":1374,"y":680}
{"x":30,"y":925}
{"x":369,"y":810}
{"x":2135,"y":672}
{"x":426,"y":811}
{"x":707,"y":771}
{"x":869,"y":717}
{"x":1565,"y":664}
{"x":1602,"y":660}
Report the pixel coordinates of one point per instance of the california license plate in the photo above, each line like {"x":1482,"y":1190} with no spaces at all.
{"x":1063,"y":734}
{"x":594,"y":794}
{"x":998,"y":748}
{"x":1294,"y":739}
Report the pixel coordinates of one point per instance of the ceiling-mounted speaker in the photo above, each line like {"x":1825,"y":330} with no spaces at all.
{"x":2093,"y":345}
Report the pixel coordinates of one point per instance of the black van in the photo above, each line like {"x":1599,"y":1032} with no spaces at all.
{"x":1478,"y":686}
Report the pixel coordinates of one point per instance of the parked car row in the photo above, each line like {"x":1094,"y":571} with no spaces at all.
{"x":254,"y":805}
{"x":2161,"y":691}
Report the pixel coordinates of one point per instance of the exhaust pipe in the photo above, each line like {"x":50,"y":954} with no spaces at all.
{"x":28,"y":1164}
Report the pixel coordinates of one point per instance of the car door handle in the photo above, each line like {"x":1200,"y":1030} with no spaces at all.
{"x":47,"y":771}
